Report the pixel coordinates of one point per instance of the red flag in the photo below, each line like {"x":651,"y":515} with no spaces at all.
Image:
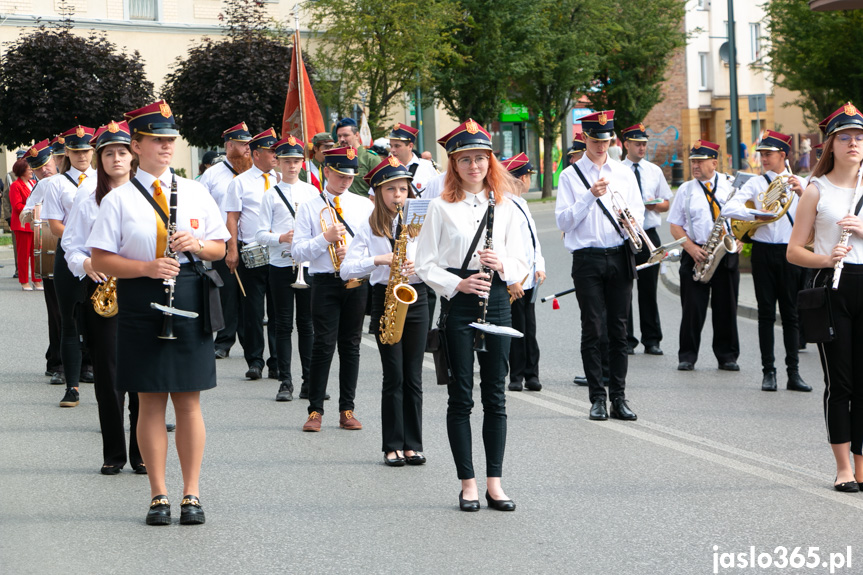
{"x":302,"y":117}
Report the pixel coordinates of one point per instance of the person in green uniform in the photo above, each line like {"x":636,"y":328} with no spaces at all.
{"x":349,"y":135}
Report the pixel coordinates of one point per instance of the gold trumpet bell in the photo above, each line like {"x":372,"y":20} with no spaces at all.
{"x":776,"y":198}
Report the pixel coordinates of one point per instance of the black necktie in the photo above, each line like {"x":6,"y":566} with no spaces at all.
{"x":638,"y":178}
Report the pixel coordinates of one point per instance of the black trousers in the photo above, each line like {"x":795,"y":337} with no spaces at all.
{"x":432,"y":302}
{"x":230,"y":296}
{"x":283,"y":302}
{"x":842,"y":360}
{"x":721,"y":292}
{"x":256,"y":282}
{"x":648,"y":308}
{"x":337,"y":316}
{"x":53,"y":360}
{"x":100,"y":335}
{"x":492,"y":379}
{"x":70,"y":295}
{"x":402,"y":365}
{"x":603,"y":285}
{"x":524,"y":351}
{"x":776,"y":280}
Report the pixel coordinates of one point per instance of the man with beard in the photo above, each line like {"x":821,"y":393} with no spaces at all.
{"x":216,"y":180}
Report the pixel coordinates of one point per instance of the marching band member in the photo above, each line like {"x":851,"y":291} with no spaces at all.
{"x":337,"y":310}
{"x":695,"y":208}
{"x":603,"y":266}
{"x":524,"y":352}
{"x":347,"y":133}
{"x":238,"y":159}
{"x":371,"y":253}
{"x":576,"y":151}
{"x":653,"y":188}
{"x":113,"y":169}
{"x":824,"y":210}
{"x":447,"y":260}
{"x":59,"y":195}
{"x":276,"y":230}
{"x":242,"y":203}
{"x":129,"y":241}
{"x":321,"y":142}
{"x":42,"y":162}
{"x":775,"y":279}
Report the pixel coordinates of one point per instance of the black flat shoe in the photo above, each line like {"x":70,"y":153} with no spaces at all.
{"x":467,"y":505}
{"x":416,"y":459}
{"x":768,"y":382}
{"x":140,"y":469}
{"x":598,"y":411}
{"x":685,"y":366}
{"x":652,"y":350}
{"x":395,"y":462}
{"x":620,"y":410}
{"x":500,"y":504}
{"x":729,"y":366}
{"x":253,"y":373}
{"x":111,"y":469}
{"x":580,"y":380}
{"x":191,"y":512}
{"x":847,"y":487}
{"x":160,"y":511}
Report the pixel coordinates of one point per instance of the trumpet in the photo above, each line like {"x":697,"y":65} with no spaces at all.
{"x":638,"y":236}
{"x":331,"y":248}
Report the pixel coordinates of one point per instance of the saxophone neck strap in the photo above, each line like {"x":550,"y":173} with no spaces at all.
{"x":158,"y":209}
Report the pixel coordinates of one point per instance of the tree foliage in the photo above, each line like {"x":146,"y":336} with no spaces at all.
{"x":562,"y":38}
{"x":386,"y":48}
{"x":472,"y":81}
{"x":643,"y":37}
{"x":223,"y":81}
{"x":52,"y":79}
{"x":813,"y":53}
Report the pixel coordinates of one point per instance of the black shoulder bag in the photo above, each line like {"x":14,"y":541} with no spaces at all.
{"x":214,"y":319}
{"x":813,"y":307}
{"x":436,"y":341}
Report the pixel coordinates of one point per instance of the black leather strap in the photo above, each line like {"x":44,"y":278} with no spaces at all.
{"x":601,"y":205}
{"x":159,"y":211}
{"x":532,"y":237}
{"x":338,"y":215}
{"x":68,"y":177}
{"x":711,"y":198}
{"x":230,"y":167}
{"x":287,"y":203}
{"x":413,"y":170}
{"x":475,"y":240}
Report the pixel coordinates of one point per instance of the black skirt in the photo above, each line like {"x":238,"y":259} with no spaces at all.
{"x":146,"y":363}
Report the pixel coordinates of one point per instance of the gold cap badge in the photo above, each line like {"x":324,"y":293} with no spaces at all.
{"x":33,"y":152}
{"x":602,"y":119}
{"x":394,"y":161}
{"x":79,"y":131}
{"x":642,"y":128}
{"x":697,"y":144}
{"x":351,"y":153}
{"x":113,"y":127}
{"x":292,"y":141}
{"x":850,"y":110}
{"x":471,"y":127}
{"x":165,"y":109}
{"x":245,"y":127}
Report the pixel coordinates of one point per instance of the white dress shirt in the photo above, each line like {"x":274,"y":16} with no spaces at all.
{"x":78,"y":228}
{"x":244,"y":195}
{"x":424,"y":174}
{"x":577,"y":212}
{"x":653,"y":186}
{"x":778,"y":232}
{"x":691,"y":210}
{"x":60,"y":193}
{"x":533,"y":255}
{"x":276,"y":219}
{"x":434,"y":187}
{"x":309,"y":243}
{"x":216,"y":179}
{"x":126,"y":224}
{"x":360,"y":259}
{"x":447,"y":233}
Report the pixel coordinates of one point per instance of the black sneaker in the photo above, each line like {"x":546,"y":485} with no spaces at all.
{"x":286,"y":392}
{"x":191,"y":512}
{"x":71,"y":399}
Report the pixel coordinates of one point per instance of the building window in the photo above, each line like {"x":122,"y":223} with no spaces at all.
{"x":703,"y":4}
{"x":755,"y":42}
{"x":704,"y":66}
{"x":143,"y":9}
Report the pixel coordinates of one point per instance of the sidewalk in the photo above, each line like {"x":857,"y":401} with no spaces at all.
{"x":747,"y":306}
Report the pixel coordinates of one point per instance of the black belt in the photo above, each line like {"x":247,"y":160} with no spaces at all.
{"x":768,"y":244}
{"x":600,"y":251}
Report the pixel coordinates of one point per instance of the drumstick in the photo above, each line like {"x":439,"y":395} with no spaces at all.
{"x":240,"y":283}
{"x":559,"y":294}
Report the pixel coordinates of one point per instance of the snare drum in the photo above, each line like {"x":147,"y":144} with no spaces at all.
{"x":44,"y":249}
{"x":255,"y":255}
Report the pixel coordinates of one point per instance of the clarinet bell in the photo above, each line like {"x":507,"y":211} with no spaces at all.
{"x":479,"y":342}
{"x":555,"y":304}
{"x":168,"y":328}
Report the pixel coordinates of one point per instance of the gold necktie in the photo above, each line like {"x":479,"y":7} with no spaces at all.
{"x":266,"y":181}
{"x":81,"y":179}
{"x":714,"y":205}
{"x":161,"y":230}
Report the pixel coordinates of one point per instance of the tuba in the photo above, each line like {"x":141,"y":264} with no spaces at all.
{"x":104,"y":298}
{"x":777,"y":198}
{"x":399,"y":295}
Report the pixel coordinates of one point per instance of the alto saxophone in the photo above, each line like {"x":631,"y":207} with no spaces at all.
{"x":718,"y":244}
{"x":104,"y":298}
{"x":400,"y":294}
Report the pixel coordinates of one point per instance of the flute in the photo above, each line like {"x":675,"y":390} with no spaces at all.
{"x":845,"y":236}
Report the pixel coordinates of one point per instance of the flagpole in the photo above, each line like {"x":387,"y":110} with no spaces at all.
{"x":300,"y":81}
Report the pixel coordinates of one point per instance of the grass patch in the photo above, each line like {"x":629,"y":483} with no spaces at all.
{"x":5,"y":239}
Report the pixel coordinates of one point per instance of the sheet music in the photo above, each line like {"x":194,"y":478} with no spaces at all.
{"x":415,"y":214}
{"x":497,"y":329}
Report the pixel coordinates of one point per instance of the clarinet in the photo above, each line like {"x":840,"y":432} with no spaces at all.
{"x":479,"y":336}
{"x":168,"y":324}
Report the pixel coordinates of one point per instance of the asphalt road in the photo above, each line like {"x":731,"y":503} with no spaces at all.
{"x":712,"y":465}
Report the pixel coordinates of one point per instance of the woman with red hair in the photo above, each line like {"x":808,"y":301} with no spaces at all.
{"x":19,"y":191}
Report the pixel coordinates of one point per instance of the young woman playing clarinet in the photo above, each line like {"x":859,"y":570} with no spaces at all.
{"x":830,"y":209}
{"x":162,"y":351}
{"x":113,"y":169}
{"x":382,"y":243}
{"x":471,"y":278}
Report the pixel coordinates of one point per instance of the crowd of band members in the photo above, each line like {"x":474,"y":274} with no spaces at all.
{"x":290,"y":198}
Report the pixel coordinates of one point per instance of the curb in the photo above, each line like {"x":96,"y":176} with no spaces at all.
{"x":743,"y":310}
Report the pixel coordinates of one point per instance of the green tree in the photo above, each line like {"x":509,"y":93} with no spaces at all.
{"x":813,"y":53}
{"x":223,"y":81}
{"x":52,"y":79}
{"x":631,"y":72}
{"x":563,"y":50}
{"x":387,"y":48}
{"x":472,"y":81}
